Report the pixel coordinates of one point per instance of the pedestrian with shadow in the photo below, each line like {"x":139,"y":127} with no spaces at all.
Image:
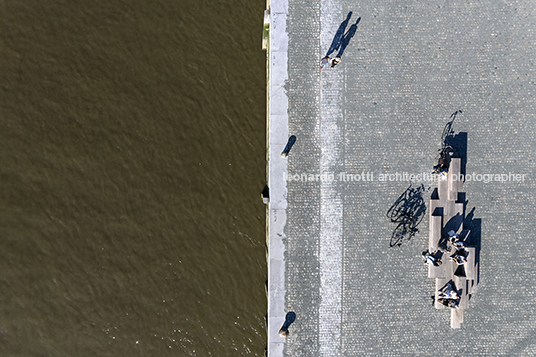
{"x":324,"y":61}
{"x":290,"y":143}
{"x":289,"y":319}
{"x":336,"y":43}
{"x":340,"y":41}
{"x":335,"y":61}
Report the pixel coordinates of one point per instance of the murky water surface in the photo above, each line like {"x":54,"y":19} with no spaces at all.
{"x":132,"y":157}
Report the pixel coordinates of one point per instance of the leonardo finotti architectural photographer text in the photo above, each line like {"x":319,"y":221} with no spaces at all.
{"x":403,"y":176}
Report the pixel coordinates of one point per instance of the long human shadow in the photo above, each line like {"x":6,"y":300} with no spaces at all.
{"x":290,"y":144}
{"x":407,"y":212}
{"x":336,"y":43}
{"x":289,"y":319}
{"x":347,"y":37}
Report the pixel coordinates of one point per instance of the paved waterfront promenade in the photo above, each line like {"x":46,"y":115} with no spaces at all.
{"x":381,"y":112}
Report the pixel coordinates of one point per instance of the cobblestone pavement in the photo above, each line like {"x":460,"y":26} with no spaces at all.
{"x":409,"y":66}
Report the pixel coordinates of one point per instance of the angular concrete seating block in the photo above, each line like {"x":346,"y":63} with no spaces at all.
{"x":455,"y":165}
{"x":442,"y":271}
{"x":470,"y":266}
{"x":454,"y":209}
{"x":435,"y":233}
{"x":452,"y":194}
{"x":453,"y":178}
{"x":473,"y":288}
{"x":453,"y":220}
{"x":458,"y":209}
{"x":442,"y":188}
{"x":450,"y":210}
{"x":456,"y":318}
{"x":433,"y":205}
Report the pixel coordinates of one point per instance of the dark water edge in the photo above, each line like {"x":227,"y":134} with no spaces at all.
{"x":132,"y":158}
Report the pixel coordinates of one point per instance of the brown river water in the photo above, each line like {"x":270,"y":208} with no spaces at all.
{"x":132,"y":159}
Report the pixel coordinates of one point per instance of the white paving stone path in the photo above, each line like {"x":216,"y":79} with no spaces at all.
{"x":331,"y":208}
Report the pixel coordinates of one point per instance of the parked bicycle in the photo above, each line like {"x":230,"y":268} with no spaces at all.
{"x":446,"y":151}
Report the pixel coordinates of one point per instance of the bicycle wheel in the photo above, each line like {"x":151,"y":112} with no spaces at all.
{"x":398,"y":237}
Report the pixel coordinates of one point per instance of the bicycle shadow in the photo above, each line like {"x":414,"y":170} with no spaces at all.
{"x":408,"y":212}
{"x":452,"y":145}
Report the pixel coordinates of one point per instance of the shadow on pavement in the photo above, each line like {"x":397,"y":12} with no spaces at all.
{"x":407,"y":211}
{"x":345,"y":40}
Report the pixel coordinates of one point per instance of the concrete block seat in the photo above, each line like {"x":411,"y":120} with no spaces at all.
{"x":442,"y":271}
{"x":470,"y":267}
{"x":456,"y":318}
{"x":442,"y":187}
{"x":447,"y":214}
{"x":435,"y":203}
{"x":455,"y":209}
{"x":435,"y":233}
{"x":453,"y":219}
{"x":473,"y":286}
{"x":453,"y":178}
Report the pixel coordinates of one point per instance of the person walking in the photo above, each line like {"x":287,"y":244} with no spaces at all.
{"x":335,"y":61}
{"x":324,"y":61}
